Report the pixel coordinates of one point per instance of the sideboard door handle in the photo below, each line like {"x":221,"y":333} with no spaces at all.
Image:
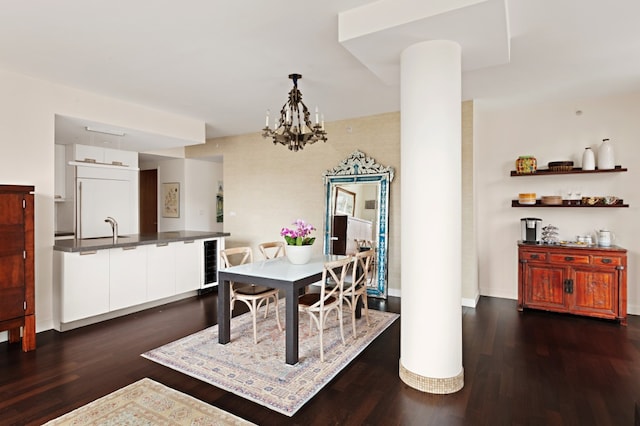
{"x":606,"y":260}
{"x":535,"y":256}
{"x":569,"y":258}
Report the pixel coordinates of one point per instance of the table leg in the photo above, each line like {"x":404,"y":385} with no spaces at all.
{"x":224,"y":312}
{"x":291,"y":331}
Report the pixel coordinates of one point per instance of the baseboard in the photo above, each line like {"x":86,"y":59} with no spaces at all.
{"x":471,"y":302}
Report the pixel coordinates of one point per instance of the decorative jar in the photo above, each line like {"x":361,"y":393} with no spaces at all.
{"x":299,"y":255}
{"x":588,"y":159}
{"x":606,"y":160}
{"x":526,"y":164}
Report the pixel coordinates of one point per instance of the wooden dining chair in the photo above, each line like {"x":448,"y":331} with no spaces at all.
{"x":254,"y":296}
{"x":355,"y":286}
{"x":272,"y":249}
{"x":319,"y":305}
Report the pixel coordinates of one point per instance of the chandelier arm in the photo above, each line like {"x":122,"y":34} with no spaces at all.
{"x":294,"y":117}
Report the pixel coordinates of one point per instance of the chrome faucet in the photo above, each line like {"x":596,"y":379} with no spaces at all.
{"x":114,"y":227}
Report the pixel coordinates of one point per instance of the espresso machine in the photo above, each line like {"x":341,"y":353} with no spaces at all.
{"x":531,"y":230}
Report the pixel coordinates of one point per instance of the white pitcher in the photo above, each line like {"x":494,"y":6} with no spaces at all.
{"x":604,"y":237}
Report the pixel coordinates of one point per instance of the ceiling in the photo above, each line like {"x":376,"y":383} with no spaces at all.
{"x":226,"y":62}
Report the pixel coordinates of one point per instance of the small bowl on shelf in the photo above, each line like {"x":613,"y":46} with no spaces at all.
{"x":527,"y":198}
{"x":551,"y":200}
{"x":560,"y":166}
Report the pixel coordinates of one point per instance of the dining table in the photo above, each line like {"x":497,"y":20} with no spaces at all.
{"x":275,"y":273}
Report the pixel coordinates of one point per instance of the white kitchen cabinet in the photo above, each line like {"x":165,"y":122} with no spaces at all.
{"x":88,"y":153}
{"x":83,"y":283}
{"x":120,"y":158}
{"x":189,"y":256}
{"x":128,"y":276}
{"x":60,"y":173}
{"x":101,"y":155}
{"x":161,"y":270}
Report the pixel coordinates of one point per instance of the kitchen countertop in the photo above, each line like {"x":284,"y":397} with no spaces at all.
{"x":90,"y":244}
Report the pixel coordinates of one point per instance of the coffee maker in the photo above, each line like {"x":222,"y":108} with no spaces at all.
{"x":531,"y":229}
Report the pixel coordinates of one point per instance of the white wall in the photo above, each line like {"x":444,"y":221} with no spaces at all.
{"x":27,"y":119}
{"x":202,"y":179}
{"x":553,"y":131}
{"x":198,"y":181}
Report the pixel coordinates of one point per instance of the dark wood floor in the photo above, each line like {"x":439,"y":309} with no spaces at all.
{"x":531,"y":368}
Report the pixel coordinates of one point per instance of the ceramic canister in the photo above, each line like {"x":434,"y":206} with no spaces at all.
{"x":606,"y":159}
{"x":588,"y":159}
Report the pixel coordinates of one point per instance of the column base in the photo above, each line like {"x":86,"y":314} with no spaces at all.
{"x":432,"y":385}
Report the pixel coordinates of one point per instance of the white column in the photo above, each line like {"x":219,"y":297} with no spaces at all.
{"x":431,"y":331}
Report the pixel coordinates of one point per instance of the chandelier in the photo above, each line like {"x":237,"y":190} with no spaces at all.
{"x":293,"y":128}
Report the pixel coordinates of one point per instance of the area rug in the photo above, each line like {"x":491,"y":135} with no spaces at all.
{"x":146,"y":402}
{"x":258,"y":372}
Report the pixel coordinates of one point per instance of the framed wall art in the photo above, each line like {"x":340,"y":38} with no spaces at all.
{"x":171,"y":199}
{"x":345,"y":202}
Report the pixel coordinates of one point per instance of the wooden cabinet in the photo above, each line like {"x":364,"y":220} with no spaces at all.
{"x":589,"y":281}
{"x":17,"y":292}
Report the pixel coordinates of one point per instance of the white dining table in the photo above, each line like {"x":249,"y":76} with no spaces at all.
{"x":275,"y":273}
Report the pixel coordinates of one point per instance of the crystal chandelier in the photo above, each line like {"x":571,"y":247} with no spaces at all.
{"x":293,"y":128}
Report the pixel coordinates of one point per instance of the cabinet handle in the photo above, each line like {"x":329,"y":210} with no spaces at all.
{"x":86,"y":253}
{"x":535,"y":256}
{"x":569,"y":258}
{"x":606,"y":260}
{"x":568,"y":286}
{"x":189,"y":241}
{"x":129,"y":248}
{"x":162,"y":244}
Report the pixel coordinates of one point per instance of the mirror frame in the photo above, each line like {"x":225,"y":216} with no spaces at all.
{"x":358,"y":168}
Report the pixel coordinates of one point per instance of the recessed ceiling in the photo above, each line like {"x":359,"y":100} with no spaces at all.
{"x":226,"y":62}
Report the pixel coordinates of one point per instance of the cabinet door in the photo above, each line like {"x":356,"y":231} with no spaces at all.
{"x":128,"y":277}
{"x":120,"y":157}
{"x":12,"y":261}
{"x":161,"y":271}
{"x":88,"y":153}
{"x":188,"y":265}
{"x":544,"y":287}
{"x":84,"y":285}
{"x":595,"y":292}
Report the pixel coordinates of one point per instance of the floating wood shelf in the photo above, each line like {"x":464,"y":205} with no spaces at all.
{"x":575,"y":170}
{"x":568,"y":203}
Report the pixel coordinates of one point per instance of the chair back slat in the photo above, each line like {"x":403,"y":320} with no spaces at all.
{"x":272,"y":249}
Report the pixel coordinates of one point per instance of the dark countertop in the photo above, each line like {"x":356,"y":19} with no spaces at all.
{"x":91,"y":244}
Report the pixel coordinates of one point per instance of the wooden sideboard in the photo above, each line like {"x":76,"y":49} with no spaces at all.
{"x":589,"y":280}
{"x":17,"y":299}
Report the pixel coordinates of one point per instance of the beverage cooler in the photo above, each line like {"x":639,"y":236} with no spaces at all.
{"x":211,"y":254}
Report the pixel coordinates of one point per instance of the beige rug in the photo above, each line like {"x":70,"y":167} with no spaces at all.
{"x":146,"y":402}
{"x":258,"y":372}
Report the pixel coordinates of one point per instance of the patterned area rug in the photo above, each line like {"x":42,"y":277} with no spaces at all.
{"x":146,"y":402}
{"x":259,"y":372}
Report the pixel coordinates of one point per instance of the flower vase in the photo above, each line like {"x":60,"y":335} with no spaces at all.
{"x":299,"y":255}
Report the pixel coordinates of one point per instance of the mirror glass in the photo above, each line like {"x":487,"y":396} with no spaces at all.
{"x":356,"y":213}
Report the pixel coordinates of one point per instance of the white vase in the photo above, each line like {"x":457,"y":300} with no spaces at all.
{"x":588,"y":159}
{"x":299,"y":255}
{"x":606,"y":160}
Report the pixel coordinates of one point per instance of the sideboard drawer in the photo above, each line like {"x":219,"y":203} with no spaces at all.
{"x":569,"y":258}
{"x":532,"y":255}
{"x":607,"y":260}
